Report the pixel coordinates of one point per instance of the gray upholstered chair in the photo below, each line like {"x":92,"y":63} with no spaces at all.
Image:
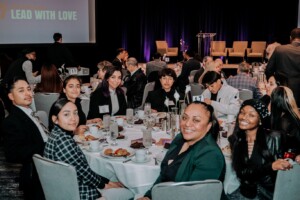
{"x":207,"y":189}
{"x":44,"y":101}
{"x":58,"y":179}
{"x":287,"y":184}
{"x":245,"y":94}
{"x":148,"y":87}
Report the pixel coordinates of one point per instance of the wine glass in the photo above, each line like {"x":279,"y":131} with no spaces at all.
{"x":147,"y":139}
{"x":114,"y":132}
{"x":106,"y":124}
{"x":147,"y":109}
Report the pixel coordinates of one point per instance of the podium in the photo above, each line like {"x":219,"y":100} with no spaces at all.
{"x":203,"y":36}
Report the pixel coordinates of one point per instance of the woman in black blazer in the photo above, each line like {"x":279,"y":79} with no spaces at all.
{"x":109,"y":98}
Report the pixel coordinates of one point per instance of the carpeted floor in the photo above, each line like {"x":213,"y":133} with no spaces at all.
{"x":9,"y":185}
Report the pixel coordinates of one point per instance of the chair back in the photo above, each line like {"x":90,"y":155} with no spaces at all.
{"x":245,"y":94}
{"x":196,"y":89}
{"x":238,"y":49}
{"x":192,"y":75}
{"x":44,"y":101}
{"x":207,"y":189}
{"x":163,"y":48}
{"x":257,"y":50}
{"x":42,"y":115}
{"x":287,"y":184}
{"x":148,"y":87}
{"x":58,"y":179}
{"x":218,"y":48}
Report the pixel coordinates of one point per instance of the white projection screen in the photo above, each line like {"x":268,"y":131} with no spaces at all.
{"x":35,"y":21}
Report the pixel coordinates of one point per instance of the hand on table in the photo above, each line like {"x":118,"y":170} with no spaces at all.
{"x":81,"y":129}
{"x":297,"y":159}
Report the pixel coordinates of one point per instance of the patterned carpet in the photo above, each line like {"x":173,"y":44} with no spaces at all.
{"x":9,"y":185}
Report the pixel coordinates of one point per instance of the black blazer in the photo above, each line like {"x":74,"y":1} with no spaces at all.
{"x":98,"y":99}
{"x":22,"y":139}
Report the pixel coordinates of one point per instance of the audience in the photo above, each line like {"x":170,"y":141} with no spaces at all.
{"x":163,"y":99}
{"x":256,"y":152}
{"x":109,"y":97}
{"x":71,"y":91}
{"x":135,"y":84}
{"x":285,"y":116}
{"x":23,"y":136}
{"x":243,"y":80}
{"x":22,"y":67}
{"x":50,"y":80}
{"x":62,"y":147}
{"x":223,"y":97}
{"x":156,"y":64}
{"x":194,"y":154}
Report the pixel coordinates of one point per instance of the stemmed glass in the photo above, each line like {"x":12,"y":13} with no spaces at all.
{"x":147,"y":139}
{"x":147,"y":109}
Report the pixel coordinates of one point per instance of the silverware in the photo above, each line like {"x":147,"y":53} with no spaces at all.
{"x":125,"y":161}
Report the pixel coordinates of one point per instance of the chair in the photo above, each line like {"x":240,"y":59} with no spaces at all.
{"x":245,"y":94}
{"x":192,"y":75}
{"x":58,"y":179}
{"x":162,"y":48}
{"x":42,"y":115}
{"x":44,"y":101}
{"x":196,"y":89}
{"x":238,"y":49}
{"x":148,"y":87}
{"x":287,"y":184}
{"x":257,"y":50}
{"x":207,"y":189}
{"x":218,"y":48}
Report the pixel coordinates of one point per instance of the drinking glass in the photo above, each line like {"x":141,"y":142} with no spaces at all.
{"x":106,"y":124}
{"x":114,"y":132}
{"x":147,"y":109}
{"x":129,"y":117}
{"x":147,"y":139}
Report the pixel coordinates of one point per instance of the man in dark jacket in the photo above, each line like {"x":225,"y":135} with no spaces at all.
{"x":135,"y":84}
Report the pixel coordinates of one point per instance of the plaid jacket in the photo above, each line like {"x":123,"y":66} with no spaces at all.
{"x":62,"y":147}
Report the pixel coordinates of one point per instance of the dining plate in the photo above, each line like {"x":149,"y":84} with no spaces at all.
{"x":147,"y":159}
{"x":115,"y":155}
{"x":89,"y":149}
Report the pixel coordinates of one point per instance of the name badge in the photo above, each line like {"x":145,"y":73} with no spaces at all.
{"x":104,"y":109}
{"x":171,"y":103}
{"x":198,"y":98}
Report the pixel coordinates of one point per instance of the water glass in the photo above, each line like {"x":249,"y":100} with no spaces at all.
{"x":147,"y":139}
{"x":147,"y":109}
{"x":106,"y":122}
{"x":129,"y":117}
{"x":114,"y":133}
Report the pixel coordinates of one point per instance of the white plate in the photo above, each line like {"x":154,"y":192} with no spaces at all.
{"x":131,"y":151}
{"x":93,"y":150}
{"x":147,"y":159}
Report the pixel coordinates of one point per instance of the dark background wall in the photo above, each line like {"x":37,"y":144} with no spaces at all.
{"x":120,"y":24}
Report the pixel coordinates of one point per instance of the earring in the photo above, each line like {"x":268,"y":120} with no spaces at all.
{"x":260,"y":123}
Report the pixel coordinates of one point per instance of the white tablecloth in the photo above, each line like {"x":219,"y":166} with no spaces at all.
{"x":135,"y":176}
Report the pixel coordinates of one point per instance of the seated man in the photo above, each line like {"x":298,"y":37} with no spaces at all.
{"x":23,"y":137}
{"x":243,"y":80}
{"x":224,"y":98}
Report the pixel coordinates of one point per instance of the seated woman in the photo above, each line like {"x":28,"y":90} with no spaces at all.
{"x":165,"y":95}
{"x":71,"y":91}
{"x":62,"y":147}
{"x":50,"y":80}
{"x":285,"y":116}
{"x":255,"y":152}
{"x":194,"y":154}
{"x":109,"y":97}
{"x":223,"y":97}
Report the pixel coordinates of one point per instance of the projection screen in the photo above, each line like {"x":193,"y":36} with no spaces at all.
{"x":35,"y":21}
